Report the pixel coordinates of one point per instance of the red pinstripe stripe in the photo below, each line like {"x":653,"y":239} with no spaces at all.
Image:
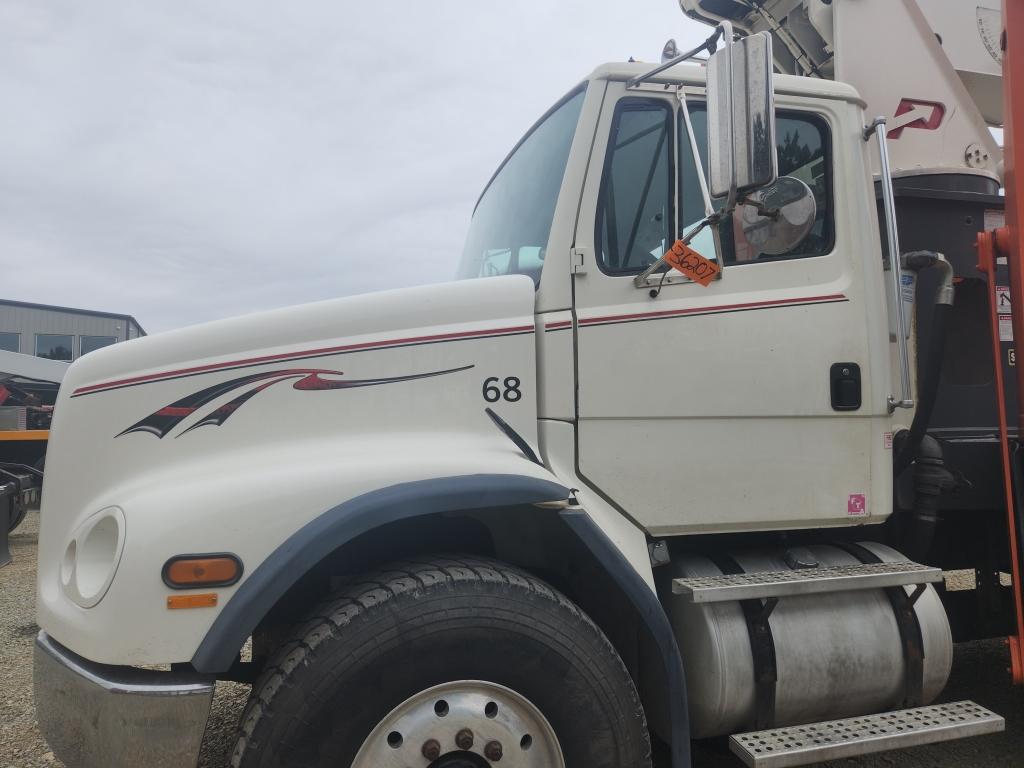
{"x":557,"y":325}
{"x":301,"y":353}
{"x":449,"y":337}
{"x":719,"y":308}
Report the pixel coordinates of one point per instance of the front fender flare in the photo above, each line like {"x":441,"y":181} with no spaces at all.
{"x":654,"y":622}
{"x":344,"y":522}
{"x":338,"y":525}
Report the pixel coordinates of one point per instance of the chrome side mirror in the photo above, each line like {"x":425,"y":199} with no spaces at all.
{"x":741,"y":116}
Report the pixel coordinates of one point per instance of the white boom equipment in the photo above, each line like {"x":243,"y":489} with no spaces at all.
{"x":932,"y":68}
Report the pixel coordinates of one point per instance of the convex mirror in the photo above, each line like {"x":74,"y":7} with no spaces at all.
{"x":775,"y":220}
{"x":741,"y":116}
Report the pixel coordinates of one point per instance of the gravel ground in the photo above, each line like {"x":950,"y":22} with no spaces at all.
{"x":979,"y":673}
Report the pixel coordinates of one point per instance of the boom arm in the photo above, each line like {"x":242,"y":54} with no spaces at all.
{"x":943,"y":70}
{"x":1005,"y":242}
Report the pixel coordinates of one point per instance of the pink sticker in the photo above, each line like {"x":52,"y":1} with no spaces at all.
{"x":856,"y":505}
{"x":887,"y":440}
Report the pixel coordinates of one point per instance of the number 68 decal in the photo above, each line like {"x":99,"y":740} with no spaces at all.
{"x":510,"y":391}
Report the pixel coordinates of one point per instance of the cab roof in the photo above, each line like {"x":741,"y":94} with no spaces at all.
{"x":692,"y":73}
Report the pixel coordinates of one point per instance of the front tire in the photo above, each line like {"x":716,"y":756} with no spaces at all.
{"x":446,"y":663}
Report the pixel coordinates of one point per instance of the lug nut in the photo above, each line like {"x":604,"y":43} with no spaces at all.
{"x":464,"y":739}
{"x":493,"y":751}
{"x":431,"y":749}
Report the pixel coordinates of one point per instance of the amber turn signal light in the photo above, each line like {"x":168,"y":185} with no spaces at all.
{"x":176,"y":602}
{"x":199,"y":571}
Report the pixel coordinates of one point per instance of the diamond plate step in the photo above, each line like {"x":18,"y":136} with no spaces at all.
{"x":837,"y":739}
{"x":806,"y":581}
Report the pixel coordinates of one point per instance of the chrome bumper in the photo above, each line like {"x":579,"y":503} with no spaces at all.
{"x":100,"y":716}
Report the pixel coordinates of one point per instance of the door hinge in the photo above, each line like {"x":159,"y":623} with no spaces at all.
{"x":577,"y":264}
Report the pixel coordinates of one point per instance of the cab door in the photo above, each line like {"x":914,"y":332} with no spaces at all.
{"x":716,"y":408}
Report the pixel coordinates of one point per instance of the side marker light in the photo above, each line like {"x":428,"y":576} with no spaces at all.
{"x":208,"y":600}
{"x":199,"y":571}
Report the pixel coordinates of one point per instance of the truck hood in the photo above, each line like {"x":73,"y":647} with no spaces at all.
{"x":305,"y":329}
{"x":369,"y":362}
{"x":227,"y":436}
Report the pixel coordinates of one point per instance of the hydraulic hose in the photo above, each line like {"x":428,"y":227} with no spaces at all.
{"x":928,"y":380}
{"x":931,"y":480}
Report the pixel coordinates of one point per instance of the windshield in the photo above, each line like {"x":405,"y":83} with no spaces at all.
{"x":510,"y":227}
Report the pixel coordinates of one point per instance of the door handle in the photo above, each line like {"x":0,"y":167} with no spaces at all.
{"x":844,"y":384}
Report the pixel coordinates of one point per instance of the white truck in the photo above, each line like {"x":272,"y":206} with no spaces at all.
{"x":570,"y":510}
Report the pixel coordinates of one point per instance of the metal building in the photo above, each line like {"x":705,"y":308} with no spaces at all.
{"x":61,"y":333}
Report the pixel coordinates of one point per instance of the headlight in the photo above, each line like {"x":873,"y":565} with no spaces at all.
{"x":91,"y":557}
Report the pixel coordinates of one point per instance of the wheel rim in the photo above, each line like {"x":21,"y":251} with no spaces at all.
{"x":464,"y":724}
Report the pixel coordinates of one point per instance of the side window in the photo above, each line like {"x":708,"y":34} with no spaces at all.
{"x":804,"y":151}
{"x":10,"y":341}
{"x":512,"y":221}
{"x":635,"y":211}
{"x":55,"y":346}
{"x":89,"y":344}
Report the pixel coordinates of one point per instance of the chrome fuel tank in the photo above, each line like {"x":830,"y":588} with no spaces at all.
{"x":837,"y":654}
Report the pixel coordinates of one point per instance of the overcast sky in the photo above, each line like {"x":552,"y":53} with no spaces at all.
{"x":188,"y":160}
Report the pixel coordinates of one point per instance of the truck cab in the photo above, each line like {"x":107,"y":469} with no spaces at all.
{"x":734,"y":376}
{"x":572,"y":509}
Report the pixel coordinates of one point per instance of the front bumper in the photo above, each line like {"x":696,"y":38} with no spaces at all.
{"x":102,"y":716}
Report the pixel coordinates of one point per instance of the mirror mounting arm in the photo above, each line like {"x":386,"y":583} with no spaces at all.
{"x":709,"y":209}
{"x":711,"y":220}
{"x":761,"y":208}
{"x":710,"y":45}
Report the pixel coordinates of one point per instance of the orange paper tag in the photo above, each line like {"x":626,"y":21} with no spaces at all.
{"x":699,"y":269}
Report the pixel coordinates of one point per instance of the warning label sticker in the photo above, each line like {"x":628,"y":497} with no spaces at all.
{"x":994,"y":218}
{"x":907,"y":287}
{"x":856,"y":505}
{"x":1005,"y":328}
{"x":1004,"y":308}
{"x":1003,"y":305}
